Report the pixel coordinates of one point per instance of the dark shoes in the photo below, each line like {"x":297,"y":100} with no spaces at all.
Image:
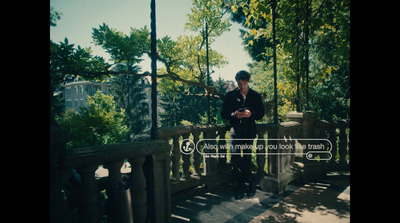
{"x":239,"y":195}
{"x":250,"y":190}
{"x":252,"y":187}
{"x":239,"y":190}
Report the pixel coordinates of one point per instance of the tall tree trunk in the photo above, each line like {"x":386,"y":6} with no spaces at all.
{"x":307,"y":62}
{"x":274,"y":60}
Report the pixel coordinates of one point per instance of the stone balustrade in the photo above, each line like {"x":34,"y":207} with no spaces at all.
{"x":159,"y":168}
{"x":145,"y":197}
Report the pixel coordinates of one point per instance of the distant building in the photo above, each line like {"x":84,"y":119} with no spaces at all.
{"x":75,"y":92}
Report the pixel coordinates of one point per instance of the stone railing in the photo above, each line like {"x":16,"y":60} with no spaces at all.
{"x":214,"y":162}
{"x":159,"y":168}
{"x":336,"y":133}
{"x":284,"y":165}
{"x":145,"y":198}
{"x":205,"y":169}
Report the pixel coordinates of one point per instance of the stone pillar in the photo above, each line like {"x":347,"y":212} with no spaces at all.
{"x":59,"y":211}
{"x":138,"y":190}
{"x":312,"y":169}
{"x":88,"y":192}
{"x":307,"y":121}
{"x":161,"y":187}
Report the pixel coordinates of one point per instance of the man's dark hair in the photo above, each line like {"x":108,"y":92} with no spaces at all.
{"x":242,"y":75}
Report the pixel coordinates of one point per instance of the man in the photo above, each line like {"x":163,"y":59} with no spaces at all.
{"x":242,"y":106}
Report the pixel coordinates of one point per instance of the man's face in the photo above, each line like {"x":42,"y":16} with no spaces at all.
{"x":243,"y":85}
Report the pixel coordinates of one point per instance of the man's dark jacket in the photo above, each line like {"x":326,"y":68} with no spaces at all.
{"x":245,"y":127}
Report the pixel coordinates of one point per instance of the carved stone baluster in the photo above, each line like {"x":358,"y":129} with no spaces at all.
{"x":89,"y":206}
{"x":290,"y":157}
{"x":210,"y":154}
{"x":196,"y":154}
{"x":185,"y":160}
{"x":210,"y":160}
{"x":273,"y":160}
{"x":261,"y":153}
{"x":322,"y":133}
{"x":120,"y":209}
{"x":348,"y":145}
{"x":175,"y":157}
{"x":138,"y":190}
{"x":222,"y":151}
{"x":333,"y":139}
{"x":342,"y":143}
{"x":284,"y":152}
{"x":162,"y":190}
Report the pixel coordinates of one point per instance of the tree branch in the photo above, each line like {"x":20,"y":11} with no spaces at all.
{"x":210,"y":91}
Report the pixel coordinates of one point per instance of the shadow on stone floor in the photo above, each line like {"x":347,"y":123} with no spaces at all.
{"x":325,"y":200}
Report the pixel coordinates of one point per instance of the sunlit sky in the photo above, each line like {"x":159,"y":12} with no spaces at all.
{"x":80,"y":16}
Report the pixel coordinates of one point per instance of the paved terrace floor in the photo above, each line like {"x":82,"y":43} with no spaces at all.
{"x":327,"y":200}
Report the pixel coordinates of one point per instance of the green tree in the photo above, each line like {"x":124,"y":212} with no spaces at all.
{"x":207,"y":18}
{"x":182,"y":78}
{"x":129,"y":95}
{"x":312,"y":45}
{"x":191,"y":107}
{"x":66,"y":63}
{"x":98,"y":124}
{"x":185,"y":62}
{"x":210,"y":12}
{"x":121,"y":47}
{"x":186,"y":59}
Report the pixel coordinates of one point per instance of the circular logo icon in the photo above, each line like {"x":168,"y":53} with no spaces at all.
{"x":187,"y":146}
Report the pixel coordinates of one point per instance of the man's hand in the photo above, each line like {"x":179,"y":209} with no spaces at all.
{"x":245,"y":114}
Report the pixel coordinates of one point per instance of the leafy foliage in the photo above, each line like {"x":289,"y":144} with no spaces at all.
{"x":181,"y":109}
{"x":313,"y":37}
{"x":98,"y":124}
{"x":121,"y":47}
{"x":130,"y":97}
{"x":312,"y":43}
{"x":210,"y":12}
{"x":68,"y":62}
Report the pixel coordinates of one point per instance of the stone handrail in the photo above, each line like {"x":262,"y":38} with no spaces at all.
{"x":214,"y":166}
{"x":152,"y":180}
{"x":96,"y":155}
{"x":145,"y":198}
{"x":340,"y":143}
{"x":207,"y":175}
